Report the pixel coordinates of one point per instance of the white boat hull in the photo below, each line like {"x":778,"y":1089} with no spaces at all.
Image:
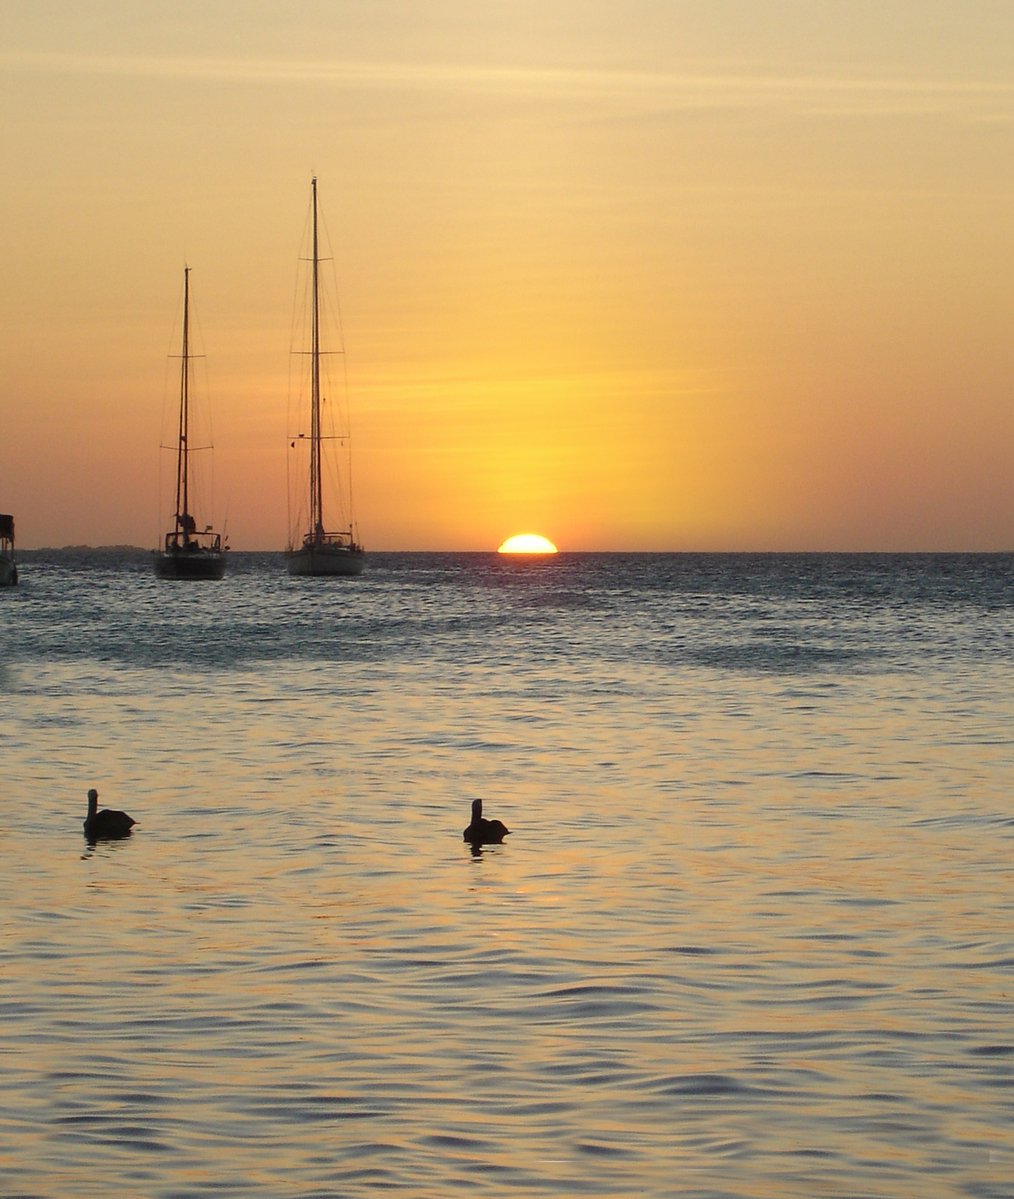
{"x":325,"y":560}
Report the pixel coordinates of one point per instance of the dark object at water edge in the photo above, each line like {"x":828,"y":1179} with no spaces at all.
{"x":482,"y":831}
{"x":106,"y":825}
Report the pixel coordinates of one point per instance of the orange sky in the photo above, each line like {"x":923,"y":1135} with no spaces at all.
{"x":658,"y":275}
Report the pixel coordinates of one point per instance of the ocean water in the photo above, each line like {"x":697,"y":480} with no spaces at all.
{"x":752,"y":934}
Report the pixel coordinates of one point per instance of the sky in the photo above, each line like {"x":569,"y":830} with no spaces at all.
{"x":659,"y":275}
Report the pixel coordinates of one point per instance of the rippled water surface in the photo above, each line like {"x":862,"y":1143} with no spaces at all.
{"x":751,"y":934}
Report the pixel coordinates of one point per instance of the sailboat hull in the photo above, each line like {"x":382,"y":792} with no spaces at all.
{"x":190,"y":566}
{"x":325,"y":561}
{"x":8,"y":569}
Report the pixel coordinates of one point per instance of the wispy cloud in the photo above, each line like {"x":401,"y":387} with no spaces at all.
{"x":741,"y":88}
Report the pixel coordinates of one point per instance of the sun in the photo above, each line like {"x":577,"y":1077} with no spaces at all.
{"x":527,"y":543}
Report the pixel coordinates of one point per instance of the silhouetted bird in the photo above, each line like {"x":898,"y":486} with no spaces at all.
{"x":107,"y":824}
{"x":484,"y":832}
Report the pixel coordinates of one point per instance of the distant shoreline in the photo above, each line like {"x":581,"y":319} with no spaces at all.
{"x":142,"y":551}
{"x":87,"y":549}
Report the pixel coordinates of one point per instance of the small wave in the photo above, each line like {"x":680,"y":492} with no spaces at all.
{"x":704,"y":1085}
{"x":598,"y":1149}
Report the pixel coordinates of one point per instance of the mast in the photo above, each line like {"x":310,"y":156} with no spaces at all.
{"x":316,"y":491}
{"x":182,"y":464}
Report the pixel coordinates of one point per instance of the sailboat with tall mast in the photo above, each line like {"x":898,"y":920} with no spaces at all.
{"x":188,"y":552}
{"x":323,"y":551}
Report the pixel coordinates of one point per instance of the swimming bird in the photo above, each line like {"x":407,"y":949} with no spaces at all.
{"x":482,"y":831}
{"x":107,"y":824}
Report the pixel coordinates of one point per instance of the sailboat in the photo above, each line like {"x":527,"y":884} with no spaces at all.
{"x":8,"y":567}
{"x":188,"y":552}
{"x":323,"y":551}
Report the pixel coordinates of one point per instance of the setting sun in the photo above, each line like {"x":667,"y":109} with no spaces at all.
{"x":527,"y":543}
